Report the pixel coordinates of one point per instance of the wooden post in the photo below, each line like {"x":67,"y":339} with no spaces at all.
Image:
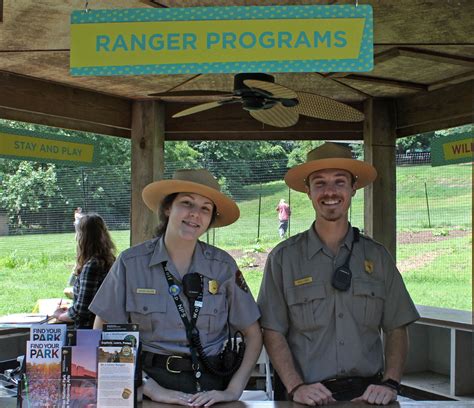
{"x":379,"y":149}
{"x":148,"y":153}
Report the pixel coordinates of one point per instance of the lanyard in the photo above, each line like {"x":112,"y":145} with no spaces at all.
{"x":191,"y":329}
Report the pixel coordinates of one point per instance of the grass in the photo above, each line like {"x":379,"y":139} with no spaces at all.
{"x":437,"y":273}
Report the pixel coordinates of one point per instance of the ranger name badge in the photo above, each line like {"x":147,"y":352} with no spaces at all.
{"x":146,"y":291}
{"x":303,"y":281}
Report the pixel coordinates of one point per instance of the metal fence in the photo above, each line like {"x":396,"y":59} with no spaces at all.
{"x":422,"y":199}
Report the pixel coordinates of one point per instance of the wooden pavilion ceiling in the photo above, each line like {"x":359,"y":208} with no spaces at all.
{"x":424,"y":55}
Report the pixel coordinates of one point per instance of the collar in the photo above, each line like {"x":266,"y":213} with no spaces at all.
{"x":202,"y":260}
{"x":315,"y":244}
{"x":160,"y":253}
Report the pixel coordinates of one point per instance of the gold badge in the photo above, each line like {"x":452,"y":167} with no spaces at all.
{"x":213,"y":287}
{"x":369,"y":266}
{"x":302,"y":281}
{"x":146,"y":291}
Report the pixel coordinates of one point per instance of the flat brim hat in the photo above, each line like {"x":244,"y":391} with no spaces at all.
{"x":330,"y":156}
{"x":198,"y":181}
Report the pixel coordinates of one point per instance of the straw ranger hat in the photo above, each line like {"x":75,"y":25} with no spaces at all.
{"x":330,"y":156}
{"x":198,"y":181}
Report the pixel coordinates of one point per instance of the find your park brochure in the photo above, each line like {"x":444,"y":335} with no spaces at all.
{"x":80,"y":368}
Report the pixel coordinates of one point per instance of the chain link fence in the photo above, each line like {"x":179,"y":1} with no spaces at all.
{"x":434,"y":218}
{"x":426,"y":198}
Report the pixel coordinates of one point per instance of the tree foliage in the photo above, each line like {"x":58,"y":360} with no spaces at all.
{"x":29,"y":189}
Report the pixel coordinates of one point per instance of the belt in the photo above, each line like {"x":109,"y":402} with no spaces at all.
{"x":173,"y":364}
{"x":336,"y":385}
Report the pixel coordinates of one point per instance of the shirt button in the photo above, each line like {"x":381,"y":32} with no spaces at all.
{"x":145,"y":308}
{"x":305,"y":300}
{"x":341,"y":342}
{"x":340,"y":315}
{"x":373,"y":294}
{"x":215,"y":311}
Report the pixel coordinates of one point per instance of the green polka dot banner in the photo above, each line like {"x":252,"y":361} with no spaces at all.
{"x":222,"y":40}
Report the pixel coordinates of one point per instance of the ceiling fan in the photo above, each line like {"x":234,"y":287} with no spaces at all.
{"x":271,"y":103}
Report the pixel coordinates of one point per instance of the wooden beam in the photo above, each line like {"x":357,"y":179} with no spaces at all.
{"x":379,"y":150}
{"x":390,"y":82}
{"x":64,"y":123}
{"x":148,"y":160}
{"x":47,"y":98}
{"x":434,"y":56}
{"x":378,"y":59}
{"x":343,"y":85}
{"x":464,"y":77}
{"x":447,"y":107}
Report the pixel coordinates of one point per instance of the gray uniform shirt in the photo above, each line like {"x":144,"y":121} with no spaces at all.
{"x":332,"y":333}
{"x":136,"y":290}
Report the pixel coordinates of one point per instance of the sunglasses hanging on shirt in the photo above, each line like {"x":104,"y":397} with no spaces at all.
{"x":342,"y":276}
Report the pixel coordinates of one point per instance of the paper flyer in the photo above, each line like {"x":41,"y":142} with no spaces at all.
{"x":116,"y":372}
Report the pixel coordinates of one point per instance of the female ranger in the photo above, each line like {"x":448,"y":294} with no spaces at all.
{"x":188,"y":297}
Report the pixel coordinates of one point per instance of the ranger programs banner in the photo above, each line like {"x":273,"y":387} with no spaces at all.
{"x":222,"y":40}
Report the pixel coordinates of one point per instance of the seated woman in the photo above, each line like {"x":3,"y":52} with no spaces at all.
{"x":95,"y":256}
{"x":186,"y":296}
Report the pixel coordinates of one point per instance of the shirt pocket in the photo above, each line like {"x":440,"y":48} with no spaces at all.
{"x":146,"y":310}
{"x":308,"y":306}
{"x":369,"y":299}
{"x":213,"y":315}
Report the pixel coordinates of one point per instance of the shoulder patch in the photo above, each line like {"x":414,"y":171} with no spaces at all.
{"x":240,"y":281}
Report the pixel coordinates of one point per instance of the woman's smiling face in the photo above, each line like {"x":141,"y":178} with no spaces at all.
{"x":189,"y":216}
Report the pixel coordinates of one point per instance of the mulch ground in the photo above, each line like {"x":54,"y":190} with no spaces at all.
{"x":259,"y":258}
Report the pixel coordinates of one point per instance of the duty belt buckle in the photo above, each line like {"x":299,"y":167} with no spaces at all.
{"x":168,"y":360}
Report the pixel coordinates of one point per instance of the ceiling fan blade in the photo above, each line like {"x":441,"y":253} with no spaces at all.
{"x":278,"y":116}
{"x":277,"y":91}
{"x":204,"y":106}
{"x":320,"y":107}
{"x":204,"y":92}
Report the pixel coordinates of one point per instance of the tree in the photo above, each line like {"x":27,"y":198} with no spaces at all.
{"x":237,"y":164}
{"x":29,"y":189}
{"x":300,"y":150}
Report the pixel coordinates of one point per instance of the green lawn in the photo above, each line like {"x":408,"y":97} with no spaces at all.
{"x":437,"y":270}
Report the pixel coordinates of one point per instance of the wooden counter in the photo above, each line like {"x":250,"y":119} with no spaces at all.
{"x":11,"y":403}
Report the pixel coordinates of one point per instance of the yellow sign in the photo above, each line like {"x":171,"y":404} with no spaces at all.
{"x":222,"y":39}
{"x":461,"y":149}
{"x":41,"y":149}
{"x":229,"y":41}
{"x":452,"y":149}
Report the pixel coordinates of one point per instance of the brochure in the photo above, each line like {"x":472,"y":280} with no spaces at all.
{"x":48,"y":332}
{"x":43,"y":370}
{"x":126,"y":331}
{"x":79,"y":368}
{"x":116,"y":374}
